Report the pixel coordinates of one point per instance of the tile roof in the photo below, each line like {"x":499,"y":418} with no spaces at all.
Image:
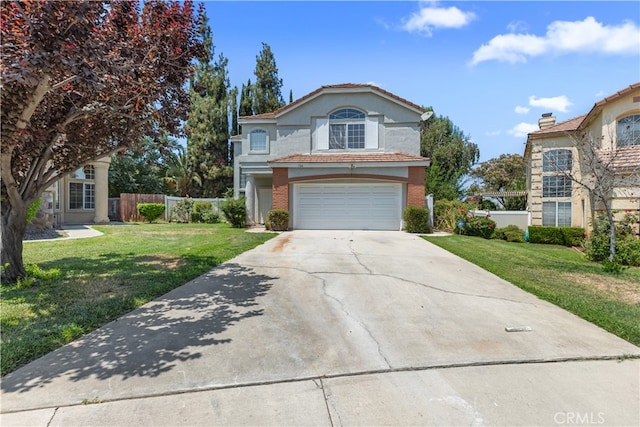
{"x":350,"y":158}
{"x":626,"y":158}
{"x":566,"y":126}
{"x":324,"y":88}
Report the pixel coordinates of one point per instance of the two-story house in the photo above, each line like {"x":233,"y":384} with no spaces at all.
{"x":344,"y":156}
{"x":613,"y":127}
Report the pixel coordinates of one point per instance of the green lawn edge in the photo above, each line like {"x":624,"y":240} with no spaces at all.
{"x":83,"y":284}
{"x":546,"y":271}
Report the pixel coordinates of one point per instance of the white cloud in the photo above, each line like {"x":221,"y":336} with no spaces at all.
{"x":562,"y":37}
{"x":522,"y":129}
{"x":556,"y":103}
{"x":430,"y":17}
{"x":522,"y":110}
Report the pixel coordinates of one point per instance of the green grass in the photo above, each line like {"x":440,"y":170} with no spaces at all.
{"x":79,"y":285}
{"x":561,"y":276}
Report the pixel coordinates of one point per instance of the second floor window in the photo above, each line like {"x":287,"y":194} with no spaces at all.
{"x":556,"y":161}
{"x":258,"y":140}
{"x":347,"y":129}
{"x":628,"y":131}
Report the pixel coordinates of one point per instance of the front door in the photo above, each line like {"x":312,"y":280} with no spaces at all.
{"x":264,"y":204}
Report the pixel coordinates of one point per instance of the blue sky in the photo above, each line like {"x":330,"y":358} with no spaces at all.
{"x":492,"y":67}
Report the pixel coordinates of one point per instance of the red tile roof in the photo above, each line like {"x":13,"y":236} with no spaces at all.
{"x":562,"y":127}
{"x":350,"y":158}
{"x":316,"y":92}
{"x":626,"y":158}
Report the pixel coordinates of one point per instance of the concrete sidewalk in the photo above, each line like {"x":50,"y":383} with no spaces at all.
{"x":336,"y":328}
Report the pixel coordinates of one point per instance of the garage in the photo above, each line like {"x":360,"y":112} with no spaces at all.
{"x":347,"y":206}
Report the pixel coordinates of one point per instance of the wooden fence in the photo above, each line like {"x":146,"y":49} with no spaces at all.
{"x":129,"y":205}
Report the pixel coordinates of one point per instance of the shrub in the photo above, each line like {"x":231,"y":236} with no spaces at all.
{"x":479,"y":226}
{"x":416,"y":219}
{"x":510,"y":233}
{"x":277,"y":220}
{"x":210,"y":217}
{"x":447,"y":212}
{"x":33,"y":208}
{"x":199,"y":210}
{"x":566,"y":236}
{"x":181,"y":212}
{"x":235,"y":212}
{"x":151,"y":211}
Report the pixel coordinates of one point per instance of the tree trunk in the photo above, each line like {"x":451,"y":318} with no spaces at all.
{"x":612,"y":235}
{"x":14,"y":224}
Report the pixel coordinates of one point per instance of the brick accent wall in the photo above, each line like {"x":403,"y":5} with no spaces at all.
{"x":280,"y":189}
{"x":415,"y":186}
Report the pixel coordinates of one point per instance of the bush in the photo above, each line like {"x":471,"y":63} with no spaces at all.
{"x":151,"y":211}
{"x":277,"y":220}
{"x":510,"y":233}
{"x":200,"y":210}
{"x":447,"y":212}
{"x":235,"y":212}
{"x":210,"y":217}
{"x":181,"y":212}
{"x":565,"y":236}
{"x":416,"y":219}
{"x":479,"y":226}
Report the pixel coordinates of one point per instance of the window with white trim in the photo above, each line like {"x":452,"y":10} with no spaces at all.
{"x":557,"y":160}
{"x":82,"y":195}
{"x":557,"y":188}
{"x":347,"y":129}
{"x":258,"y":141}
{"x":556,"y":214}
{"x":628,"y":132}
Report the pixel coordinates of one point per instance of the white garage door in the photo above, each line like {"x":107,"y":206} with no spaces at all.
{"x":374,"y":206}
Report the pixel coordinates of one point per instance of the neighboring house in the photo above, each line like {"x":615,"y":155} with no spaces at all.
{"x":553,"y":198}
{"x":342,"y":157}
{"x":80,"y":197}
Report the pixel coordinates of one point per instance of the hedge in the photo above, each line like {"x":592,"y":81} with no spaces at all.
{"x":565,"y":236}
{"x":416,"y":219}
{"x":277,"y":220}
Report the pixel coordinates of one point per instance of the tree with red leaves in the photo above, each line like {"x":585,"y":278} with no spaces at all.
{"x":81,"y":80}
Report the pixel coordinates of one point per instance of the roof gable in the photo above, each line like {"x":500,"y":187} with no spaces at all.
{"x":344,"y":88}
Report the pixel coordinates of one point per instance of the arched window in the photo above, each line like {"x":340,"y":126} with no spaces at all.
{"x":629,"y":131}
{"x":556,"y":161}
{"x":258,"y":140}
{"x":347,"y":129}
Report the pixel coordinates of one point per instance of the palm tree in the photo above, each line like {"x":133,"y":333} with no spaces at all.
{"x":180,"y":173}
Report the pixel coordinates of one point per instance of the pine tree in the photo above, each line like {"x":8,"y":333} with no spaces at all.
{"x":208,"y":123}
{"x":267,"y":95}
{"x":246,"y":109}
{"x":290,"y":96}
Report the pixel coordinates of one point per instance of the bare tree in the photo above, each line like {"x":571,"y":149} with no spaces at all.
{"x":606,"y":171}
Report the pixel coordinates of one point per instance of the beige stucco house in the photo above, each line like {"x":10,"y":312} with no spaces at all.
{"x":344,"y":156}
{"x":80,"y":197}
{"x":614,"y":124}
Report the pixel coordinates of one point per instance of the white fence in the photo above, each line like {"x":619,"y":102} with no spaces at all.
{"x":522,"y":219}
{"x":171,"y":201}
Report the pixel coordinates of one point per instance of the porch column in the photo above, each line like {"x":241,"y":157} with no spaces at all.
{"x":250,"y":194}
{"x":101,"y":167}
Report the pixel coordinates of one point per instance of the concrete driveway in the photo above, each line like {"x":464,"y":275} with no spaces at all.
{"x":336,"y":328}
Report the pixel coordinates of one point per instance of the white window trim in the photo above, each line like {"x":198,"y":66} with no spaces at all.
{"x":322,"y":131}
{"x":84,"y":199}
{"x":556,"y":202}
{"x":267,"y":146}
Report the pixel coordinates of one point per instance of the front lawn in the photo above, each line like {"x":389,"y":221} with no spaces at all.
{"x":561,"y":276}
{"x":85,"y":283}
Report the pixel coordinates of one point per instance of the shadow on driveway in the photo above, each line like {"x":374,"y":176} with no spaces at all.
{"x":156,"y":337}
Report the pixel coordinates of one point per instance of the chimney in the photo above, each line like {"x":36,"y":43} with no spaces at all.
{"x":546,"y":121}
